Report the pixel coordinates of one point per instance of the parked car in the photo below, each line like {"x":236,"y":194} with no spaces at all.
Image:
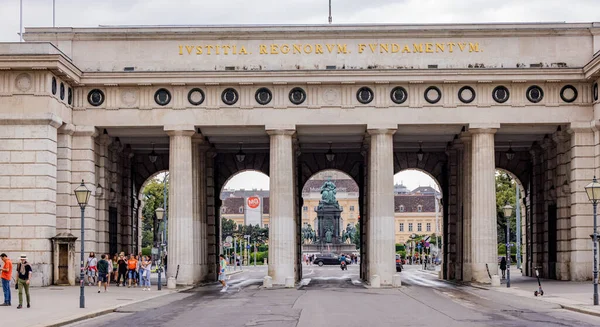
{"x":398,"y":263}
{"x":328,"y":259}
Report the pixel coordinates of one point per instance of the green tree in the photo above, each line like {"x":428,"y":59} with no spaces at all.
{"x":229,"y":227}
{"x":506,"y":189}
{"x":357,"y":236}
{"x":153,"y":195}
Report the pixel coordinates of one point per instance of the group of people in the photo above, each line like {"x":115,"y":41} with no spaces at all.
{"x":131,"y":271}
{"x":24,"y":273}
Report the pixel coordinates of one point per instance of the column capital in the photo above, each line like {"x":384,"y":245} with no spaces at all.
{"x":483,"y":126}
{"x":198,"y":139}
{"x":180,"y":130}
{"x":378,"y":131}
{"x":560,"y":136}
{"x":66,"y":129}
{"x":581,"y":127}
{"x":465,"y":137}
{"x":281,"y":131}
{"x":482,"y":130}
{"x":85,"y":131}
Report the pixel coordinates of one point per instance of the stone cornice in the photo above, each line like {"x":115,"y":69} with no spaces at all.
{"x":306,"y":31}
{"x":581,"y":127}
{"x":592,"y":68}
{"x":343,"y":76}
{"x":40,"y":119}
{"x":85,"y":131}
{"x":43,"y":56}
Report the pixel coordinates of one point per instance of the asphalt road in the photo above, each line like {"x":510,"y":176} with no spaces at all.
{"x":330,"y":297}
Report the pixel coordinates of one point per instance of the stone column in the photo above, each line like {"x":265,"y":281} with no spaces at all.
{"x":563,"y":223}
{"x":465,"y":138}
{"x":102,"y":203}
{"x":483,"y":205}
{"x":202,"y":206}
{"x":282,"y":229}
{"x":582,"y":172}
{"x":381,"y":232}
{"x":199,"y":206}
{"x":64,"y":192}
{"x":180,"y":223}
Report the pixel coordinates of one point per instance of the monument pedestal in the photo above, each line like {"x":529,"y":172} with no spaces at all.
{"x":329,"y":248}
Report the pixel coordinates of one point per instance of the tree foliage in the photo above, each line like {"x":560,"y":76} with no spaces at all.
{"x":258,"y":234}
{"x":506,"y":189}
{"x":153,"y":195}
{"x":357,"y":235}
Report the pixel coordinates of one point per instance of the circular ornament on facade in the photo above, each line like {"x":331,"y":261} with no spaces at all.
{"x":596,"y":91}
{"x":96,"y":97}
{"x":330,"y":96}
{"x":229,"y":96}
{"x":53,"y":85}
{"x":364,"y":95}
{"x":568,"y":93}
{"x":399,"y":95}
{"x":62,"y":91}
{"x":162,"y":97}
{"x":128,"y":97}
{"x":500,"y":94}
{"x":466,"y":94}
{"x":70,"y":96}
{"x":534,"y":94}
{"x":196,"y":96}
{"x":23,"y":82}
{"x":297,"y":96}
{"x":433,"y":94}
{"x":263,"y":96}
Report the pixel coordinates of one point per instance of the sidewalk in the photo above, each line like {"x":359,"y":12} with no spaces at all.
{"x":575,"y":296}
{"x":57,"y":305}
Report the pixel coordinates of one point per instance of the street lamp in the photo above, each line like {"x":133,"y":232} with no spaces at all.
{"x":593,"y":193}
{"x":240,"y":156}
{"x":82,"y":194}
{"x":160,"y":214}
{"x":330,"y":156}
{"x":420,"y":153}
{"x":507,"y":213}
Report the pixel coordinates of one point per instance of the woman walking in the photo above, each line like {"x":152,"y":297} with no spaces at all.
{"x":122,"y":267}
{"x":92,"y":268}
{"x":146,"y":272}
{"x":503,"y":267}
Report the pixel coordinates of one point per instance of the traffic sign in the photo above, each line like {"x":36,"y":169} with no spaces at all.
{"x":427,"y":238}
{"x":229,"y":239}
{"x":247,"y":246}
{"x":227,"y":244}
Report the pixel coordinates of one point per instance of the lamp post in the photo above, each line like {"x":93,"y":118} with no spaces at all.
{"x":507,"y":213}
{"x":82,"y":194}
{"x":593,"y":193}
{"x":160,"y":213}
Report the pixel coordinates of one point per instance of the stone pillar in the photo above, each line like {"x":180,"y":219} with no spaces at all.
{"x":381,"y":250}
{"x":103,"y":185}
{"x":282,"y":229}
{"x":203,"y":208}
{"x":483,"y":205}
{"x":181,"y":209}
{"x":84,"y":168}
{"x":199,"y":207}
{"x":28,"y":150}
{"x":64,"y":192}
{"x":465,"y":138}
{"x":563,"y":202}
{"x":453,"y":233}
{"x":582,"y":172}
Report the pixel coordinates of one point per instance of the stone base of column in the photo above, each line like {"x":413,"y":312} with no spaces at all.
{"x":203,"y":272}
{"x":185,"y":275}
{"x":480,"y":272}
{"x":385,"y":271}
{"x":467,"y":274}
{"x":279,"y":272}
{"x":581,"y":271}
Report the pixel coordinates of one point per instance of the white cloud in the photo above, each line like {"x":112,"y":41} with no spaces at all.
{"x":88,"y":13}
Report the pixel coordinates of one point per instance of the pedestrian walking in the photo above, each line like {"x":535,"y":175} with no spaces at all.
{"x":222,"y":276}
{"x":146,"y":273}
{"x":503,"y":267}
{"x":103,"y":273}
{"x":115,"y":266}
{"x":24,"y":270}
{"x":92,"y":268}
{"x":6,"y":277}
{"x":132,"y":264}
{"x":122,"y":267}
{"x":110,"y":269}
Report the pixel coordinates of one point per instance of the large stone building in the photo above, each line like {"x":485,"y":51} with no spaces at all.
{"x":112,"y":106}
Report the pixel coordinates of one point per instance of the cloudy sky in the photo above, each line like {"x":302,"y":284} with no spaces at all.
{"x":81,"y":13}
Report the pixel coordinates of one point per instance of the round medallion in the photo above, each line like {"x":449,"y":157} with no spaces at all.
{"x":53,"y":85}
{"x":96,"y":97}
{"x":595,"y":91}
{"x":466,"y":94}
{"x":399,"y":95}
{"x":534,"y":94}
{"x":330,"y":96}
{"x":23,"y":82}
{"x":229,"y":96}
{"x":70,"y":96}
{"x":62,"y":91}
{"x":568,"y":93}
{"x":432,"y":94}
{"x":263,"y":96}
{"x":297,"y":96}
{"x":128,"y":97}
{"x":364,"y":95}
{"x":500,"y":94}
{"x":162,"y":97}
{"x":196,"y":96}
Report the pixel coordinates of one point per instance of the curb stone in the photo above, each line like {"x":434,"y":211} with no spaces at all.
{"x":580,"y":310}
{"x":97,"y":313}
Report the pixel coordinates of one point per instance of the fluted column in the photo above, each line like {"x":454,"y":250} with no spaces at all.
{"x":484,"y":236}
{"x":381,"y":232}
{"x":282,"y":229}
{"x":197,"y":208}
{"x":465,"y":138}
{"x":181,"y":208}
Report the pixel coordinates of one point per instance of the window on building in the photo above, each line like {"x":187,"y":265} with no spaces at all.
{"x":351,"y":208}
{"x":305,"y":208}
{"x":410,"y":229}
{"x":428,"y":227}
{"x":402,"y":227}
{"x":266,"y":225}
{"x":401,"y":208}
{"x":419,"y":227}
{"x":241,"y":209}
{"x":420,"y":208}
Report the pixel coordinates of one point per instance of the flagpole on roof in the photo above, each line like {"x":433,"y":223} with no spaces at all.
{"x":330,"y":19}
{"x":53,"y":13}
{"x":21,"y":21}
